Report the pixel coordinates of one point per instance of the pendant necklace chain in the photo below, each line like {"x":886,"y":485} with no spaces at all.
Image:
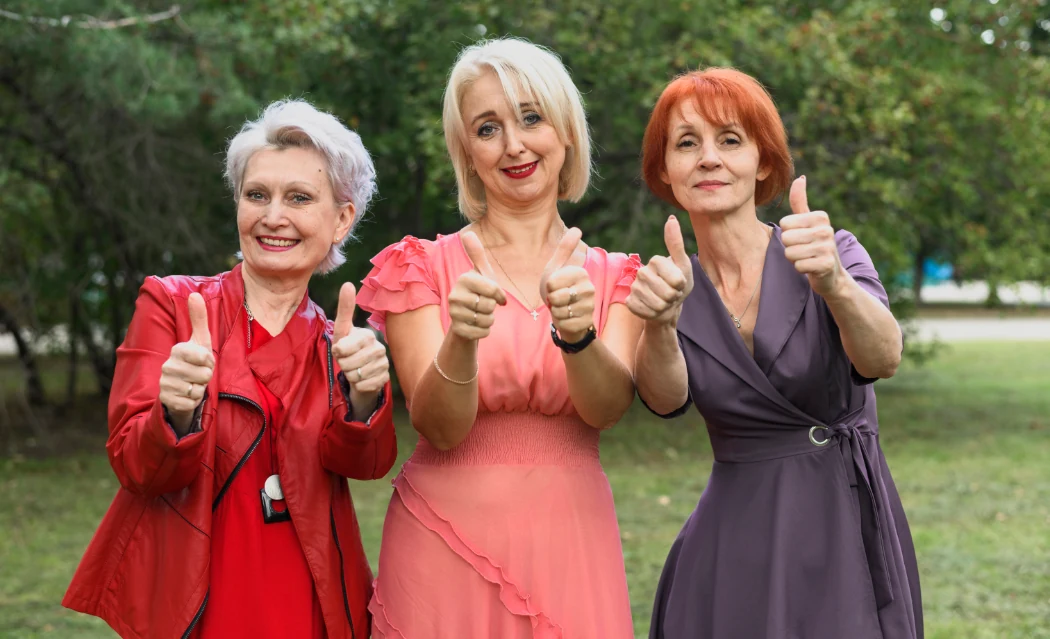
{"x":737,"y":319}
{"x":534,"y":313}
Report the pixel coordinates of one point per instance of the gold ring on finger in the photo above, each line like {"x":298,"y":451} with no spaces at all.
{"x":572,"y":295}
{"x":359,"y":375}
{"x":474,"y":320}
{"x":189,"y":391}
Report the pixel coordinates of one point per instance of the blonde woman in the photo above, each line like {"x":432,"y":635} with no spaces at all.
{"x":514,"y":351}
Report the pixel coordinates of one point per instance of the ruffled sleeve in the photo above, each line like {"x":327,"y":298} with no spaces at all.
{"x":628,"y":271}
{"x":401,"y":280}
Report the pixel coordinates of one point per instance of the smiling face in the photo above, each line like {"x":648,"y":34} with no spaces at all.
{"x":711,"y":169}
{"x":287,"y":216}
{"x":518,"y":161}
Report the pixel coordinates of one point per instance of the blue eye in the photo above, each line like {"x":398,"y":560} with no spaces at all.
{"x":486,"y":130}
{"x":299,"y":198}
{"x":532,"y":118}
{"x":254,"y":195}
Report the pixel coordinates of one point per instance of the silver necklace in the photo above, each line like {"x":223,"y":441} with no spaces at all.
{"x":535,"y":309}
{"x":736,"y":318}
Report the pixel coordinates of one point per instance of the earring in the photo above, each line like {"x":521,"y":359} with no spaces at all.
{"x":470,"y":170}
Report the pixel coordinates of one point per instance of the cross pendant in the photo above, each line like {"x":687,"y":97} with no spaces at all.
{"x":535,"y":315}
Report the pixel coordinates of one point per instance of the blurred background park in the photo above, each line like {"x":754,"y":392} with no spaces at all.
{"x":923,"y":127}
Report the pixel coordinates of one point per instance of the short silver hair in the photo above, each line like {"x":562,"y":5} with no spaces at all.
{"x":540,"y":73}
{"x":297,"y":123}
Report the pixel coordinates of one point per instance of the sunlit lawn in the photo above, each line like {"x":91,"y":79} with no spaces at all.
{"x":967,"y":438}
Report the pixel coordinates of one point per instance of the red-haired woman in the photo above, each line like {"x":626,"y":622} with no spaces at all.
{"x":800,"y":531}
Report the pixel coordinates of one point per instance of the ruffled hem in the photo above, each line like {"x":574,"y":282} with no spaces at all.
{"x":401,"y":280}
{"x":511,"y":595}
{"x":381,"y":626}
{"x":627,"y":276}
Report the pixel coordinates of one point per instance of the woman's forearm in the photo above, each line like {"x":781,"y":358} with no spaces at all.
{"x":600,"y":385}
{"x":870,"y":334}
{"x":444,"y":411}
{"x":660,"y":372}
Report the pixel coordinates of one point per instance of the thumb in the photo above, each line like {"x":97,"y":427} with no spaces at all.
{"x":344,"y":315}
{"x":676,"y":244}
{"x":797,"y":198}
{"x":199,"y":320}
{"x":565,"y":249}
{"x":476,"y":252}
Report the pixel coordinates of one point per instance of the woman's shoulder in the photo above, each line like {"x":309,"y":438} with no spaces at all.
{"x":613,"y":261}
{"x":181,"y":286}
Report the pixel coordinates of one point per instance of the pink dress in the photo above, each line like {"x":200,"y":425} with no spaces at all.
{"x":512,"y":533}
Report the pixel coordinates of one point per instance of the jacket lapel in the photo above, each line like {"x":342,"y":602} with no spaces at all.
{"x":706,"y":323}
{"x":785,"y":293}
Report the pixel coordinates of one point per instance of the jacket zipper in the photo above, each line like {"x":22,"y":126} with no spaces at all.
{"x":196,"y":617}
{"x":342,"y":573}
{"x":331,"y":374}
{"x":226,"y":485}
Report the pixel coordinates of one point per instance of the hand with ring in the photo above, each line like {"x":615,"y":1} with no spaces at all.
{"x":567,"y":289}
{"x":185,"y":375}
{"x":661,"y":286}
{"x":359,"y":355}
{"x":476,"y":294}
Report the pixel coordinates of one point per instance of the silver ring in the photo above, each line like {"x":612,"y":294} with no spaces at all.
{"x":189,"y":391}
{"x":474,"y":320}
{"x":823,"y":442}
{"x":570,"y":311}
{"x":477,"y":301}
{"x":572,"y":295}
{"x":359,"y":375}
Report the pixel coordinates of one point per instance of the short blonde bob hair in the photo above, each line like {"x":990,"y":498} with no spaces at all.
{"x":538,"y":72}
{"x":297,"y":123}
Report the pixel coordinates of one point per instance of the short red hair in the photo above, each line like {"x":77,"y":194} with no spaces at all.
{"x":721,"y":96}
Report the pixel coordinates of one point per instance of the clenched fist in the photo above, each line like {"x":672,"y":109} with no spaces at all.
{"x":359,"y":355}
{"x":809,"y":243}
{"x":567,"y":289}
{"x":473,"y":299}
{"x":662,"y":285}
{"x":185,"y":375}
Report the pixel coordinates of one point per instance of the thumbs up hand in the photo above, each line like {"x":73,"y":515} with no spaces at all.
{"x":567,"y":289}
{"x":475,"y":295}
{"x":662,"y":285}
{"x":359,"y":355}
{"x":809,"y":243}
{"x":185,"y":375}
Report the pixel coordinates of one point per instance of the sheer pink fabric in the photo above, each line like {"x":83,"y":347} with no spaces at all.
{"x":513,"y":533}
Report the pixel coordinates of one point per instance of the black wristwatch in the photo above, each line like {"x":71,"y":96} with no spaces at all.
{"x":575,"y":347}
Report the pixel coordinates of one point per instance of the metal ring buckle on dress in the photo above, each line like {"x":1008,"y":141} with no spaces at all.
{"x":823,"y":442}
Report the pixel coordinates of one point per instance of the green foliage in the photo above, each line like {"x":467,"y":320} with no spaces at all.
{"x":913,"y":132}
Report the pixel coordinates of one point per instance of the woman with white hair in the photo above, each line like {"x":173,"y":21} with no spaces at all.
{"x":238,"y":411}
{"x":514,"y":350}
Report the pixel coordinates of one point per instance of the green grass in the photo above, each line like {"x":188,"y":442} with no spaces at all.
{"x":967,"y":438}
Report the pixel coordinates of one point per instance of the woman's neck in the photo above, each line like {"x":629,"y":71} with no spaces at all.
{"x":525,"y":232}
{"x":732,"y":247}
{"x":273,"y":301}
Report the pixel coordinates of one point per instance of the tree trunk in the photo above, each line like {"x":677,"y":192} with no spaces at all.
{"x":34,"y":386}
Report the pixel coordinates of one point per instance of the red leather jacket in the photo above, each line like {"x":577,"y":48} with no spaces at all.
{"x":146,"y":569}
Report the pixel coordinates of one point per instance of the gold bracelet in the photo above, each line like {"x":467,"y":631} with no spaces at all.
{"x":455,"y":381}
